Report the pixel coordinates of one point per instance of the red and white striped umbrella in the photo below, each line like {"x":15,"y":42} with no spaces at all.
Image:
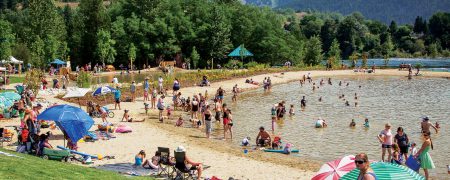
{"x":333,"y":170}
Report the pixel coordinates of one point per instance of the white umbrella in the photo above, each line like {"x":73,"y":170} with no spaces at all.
{"x":77,"y":93}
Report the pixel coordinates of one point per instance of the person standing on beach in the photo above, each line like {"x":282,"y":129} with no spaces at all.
{"x":365,"y":172}
{"x":176,"y":86}
{"x":146,"y":89}
{"x":133,"y":91}
{"x":195,"y":107}
{"x":309,"y":77}
{"x":208,"y":124}
{"x":160,"y":85}
{"x":161,"y":107}
{"x":385,"y":138}
{"x":154,"y":96}
{"x":425,"y":159}
{"x":402,"y":141}
{"x":117,"y":95}
{"x":426,"y":124}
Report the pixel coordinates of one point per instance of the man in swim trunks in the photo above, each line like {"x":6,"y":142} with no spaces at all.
{"x":263,"y":138}
{"x":426,"y":124}
{"x":220,"y":94}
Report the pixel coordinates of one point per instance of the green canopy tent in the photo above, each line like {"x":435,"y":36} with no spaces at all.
{"x":240,"y":51}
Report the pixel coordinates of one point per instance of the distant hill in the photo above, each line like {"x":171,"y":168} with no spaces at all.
{"x":401,"y":11}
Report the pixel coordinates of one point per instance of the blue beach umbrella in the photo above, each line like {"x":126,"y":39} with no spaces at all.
{"x":385,"y":171}
{"x":10,"y":95}
{"x":72,"y":120}
{"x":5,"y":102}
{"x":103,"y":90}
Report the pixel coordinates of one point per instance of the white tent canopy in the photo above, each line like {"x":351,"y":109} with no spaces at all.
{"x":12,"y":60}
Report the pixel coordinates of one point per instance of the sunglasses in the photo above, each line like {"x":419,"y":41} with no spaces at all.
{"x":359,"y":162}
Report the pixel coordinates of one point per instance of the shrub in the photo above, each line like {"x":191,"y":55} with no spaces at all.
{"x":84,"y":79}
{"x":234,"y":64}
{"x":33,"y":80}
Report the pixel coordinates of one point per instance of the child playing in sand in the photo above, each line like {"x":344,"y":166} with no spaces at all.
{"x":396,"y":154}
{"x":179,"y":122}
{"x":292,"y":111}
{"x":169,"y":112}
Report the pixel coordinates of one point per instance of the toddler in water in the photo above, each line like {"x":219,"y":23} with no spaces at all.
{"x":366,"y":123}
{"x":274,"y":116}
{"x":292,"y":111}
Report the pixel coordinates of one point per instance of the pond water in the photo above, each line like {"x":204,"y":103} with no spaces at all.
{"x":396,"y":100}
{"x":395,"y":62}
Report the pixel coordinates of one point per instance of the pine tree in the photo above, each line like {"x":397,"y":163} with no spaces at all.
{"x":335,"y":53}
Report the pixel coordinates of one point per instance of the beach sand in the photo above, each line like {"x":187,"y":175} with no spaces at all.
{"x":226,"y":160}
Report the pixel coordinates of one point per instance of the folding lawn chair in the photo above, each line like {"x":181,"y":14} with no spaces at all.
{"x":183,"y":172}
{"x":165,"y":166}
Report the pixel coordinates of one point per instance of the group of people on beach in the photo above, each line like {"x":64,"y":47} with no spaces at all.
{"x":399,"y":146}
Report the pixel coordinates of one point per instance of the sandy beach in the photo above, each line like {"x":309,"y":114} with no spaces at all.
{"x":225,"y":160}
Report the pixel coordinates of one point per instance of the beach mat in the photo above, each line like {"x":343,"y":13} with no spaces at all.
{"x":128,"y":169}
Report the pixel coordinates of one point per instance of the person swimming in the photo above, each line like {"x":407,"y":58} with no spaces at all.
{"x":340,"y":83}
{"x":366,"y":123}
{"x":347,"y":103}
{"x":352,"y":124}
{"x":291,"y":110}
{"x":320,"y":99}
{"x":356,"y":96}
{"x":320,"y":123}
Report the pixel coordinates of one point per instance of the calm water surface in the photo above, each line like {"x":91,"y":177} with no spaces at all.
{"x":381,"y":99}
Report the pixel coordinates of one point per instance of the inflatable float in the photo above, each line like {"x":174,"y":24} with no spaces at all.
{"x":280,"y":150}
{"x":79,"y":153}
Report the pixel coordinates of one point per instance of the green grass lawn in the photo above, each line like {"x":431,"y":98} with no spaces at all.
{"x":31,"y":167}
{"x":16,"y":79}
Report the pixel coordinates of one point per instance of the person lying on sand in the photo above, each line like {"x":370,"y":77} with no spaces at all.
{"x":127,"y":118}
{"x":263,"y":138}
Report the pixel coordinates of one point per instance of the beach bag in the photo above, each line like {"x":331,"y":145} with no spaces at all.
{"x":413,"y":163}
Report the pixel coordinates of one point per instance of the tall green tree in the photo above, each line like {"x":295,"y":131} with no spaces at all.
{"x":7,"y":40}
{"x":335,"y":53}
{"x":105,"y":47}
{"x":219,"y":34}
{"x":94,"y":17}
{"x":313,"y":55}
{"x":47,"y":27}
{"x":132,"y":54}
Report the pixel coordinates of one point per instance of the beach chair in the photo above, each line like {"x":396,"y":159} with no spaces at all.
{"x":166,"y":167}
{"x":183,"y":172}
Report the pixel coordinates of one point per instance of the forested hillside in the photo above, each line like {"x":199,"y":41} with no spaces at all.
{"x":401,"y":11}
{"x":203,"y":32}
